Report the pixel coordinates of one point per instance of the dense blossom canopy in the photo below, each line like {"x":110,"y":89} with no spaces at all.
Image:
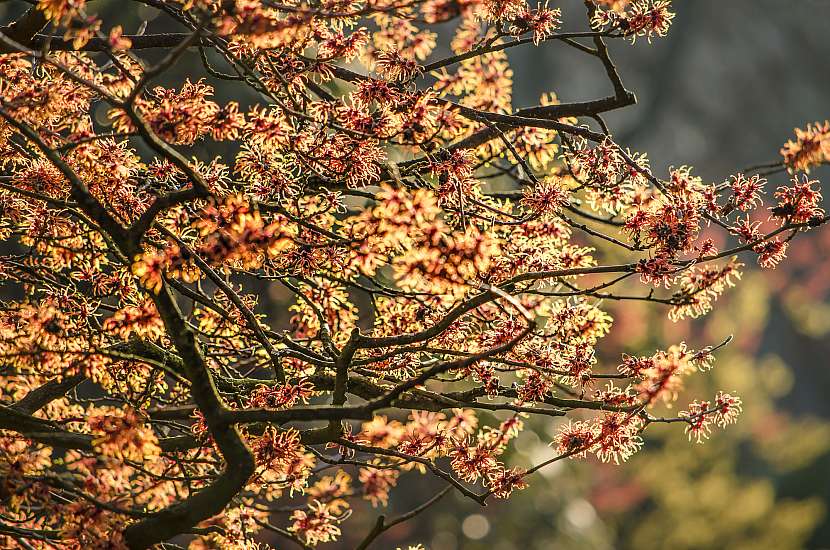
{"x":447,"y":257}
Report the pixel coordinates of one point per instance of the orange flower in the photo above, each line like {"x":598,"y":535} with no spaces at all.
{"x":142,"y":320}
{"x":149,"y":268}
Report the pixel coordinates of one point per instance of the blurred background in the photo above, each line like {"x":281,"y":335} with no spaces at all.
{"x":723,"y":91}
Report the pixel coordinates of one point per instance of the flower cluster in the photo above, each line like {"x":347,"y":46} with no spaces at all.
{"x":315,"y":524}
{"x":142,"y":321}
{"x":810,"y":148}
{"x":281,"y":459}
{"x":122,"y":434}
{"x":613,"y":437}
{"x":646,"y":18}
{"x":701,"y":414}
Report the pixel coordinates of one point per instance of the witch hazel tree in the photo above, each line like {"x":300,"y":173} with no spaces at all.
{"x":147,"y":393}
